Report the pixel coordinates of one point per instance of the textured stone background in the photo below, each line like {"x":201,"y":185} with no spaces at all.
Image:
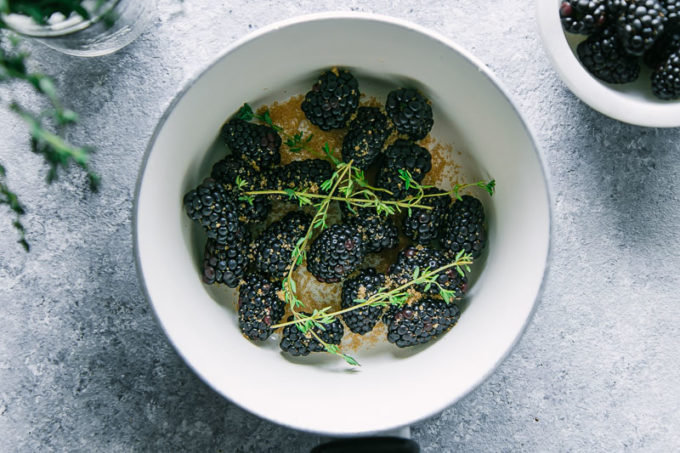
{"x":83,"y":365}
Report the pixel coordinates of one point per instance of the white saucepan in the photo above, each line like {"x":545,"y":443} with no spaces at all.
{"x":393,"y":387}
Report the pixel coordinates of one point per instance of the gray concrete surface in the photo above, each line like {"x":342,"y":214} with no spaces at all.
{"x":85,"y":367}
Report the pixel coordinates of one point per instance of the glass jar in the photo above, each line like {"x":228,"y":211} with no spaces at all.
{"x":112,"y":25}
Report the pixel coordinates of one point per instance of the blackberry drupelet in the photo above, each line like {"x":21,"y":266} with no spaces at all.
{"x":420,"y":321}
{"x":603,"y":56}
{"x":464,"y":227}
{"x":639,"y":25}
{"x":210,"y":205}
{"x":662,"y":49}
{"x":303,"y":175}
{"x":297,"y":343}
{"x":422,"y":225}
{"x":332,"y":100}
{"x":336,"y":253}
{"x":401,"y":272}
{"x":274,"y":248}
{"x":226,"y":171}
{"x":366,"y":137}
{"x":583,"y":16}
{"x":379,"y":232}
{"x":257,"y":144}
{"x":410,"y":112}
{"x":363,"y":286}
{"x":666,"y":79}
{"x":403,"y":155}
{"x":225,"y":263}
{"x":259,"y":307}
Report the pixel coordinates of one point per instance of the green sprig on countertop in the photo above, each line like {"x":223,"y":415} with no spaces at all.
{"x":9,"y":198}
{"x":51,"y":145}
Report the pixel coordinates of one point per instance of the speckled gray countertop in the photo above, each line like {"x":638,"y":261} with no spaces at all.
{"x":85,"y":367}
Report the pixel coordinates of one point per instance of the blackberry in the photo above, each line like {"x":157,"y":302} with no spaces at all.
{"x":210,"y":205}
{"x":306,"y":174}
{"x":583,"y":16}
{"x":410,"y":112}
{"x":366,"y":137}
{"x":297,"y":343}
{"x":225,"y":263}
{"x":255,"y":143}
{"x":602,"y":55}
{"x":639,"y":25}
{"x":378,"y":232}
{"x":336,"y":253}
{"x":464,"y":228}
{"x":420,"y":321}
{"x":662,"y":49}
{"x":671,"y":10}
{"x":403,"y":155}
{"x":666,"y":79}
{"x":363,"y":286}
{"x":227,"y":171}
{"x":401,"y":272}
{"x":273,"y":249}
{"x":332,"y":100}
{"x":259,"y":307}
{"x":423,"y":225}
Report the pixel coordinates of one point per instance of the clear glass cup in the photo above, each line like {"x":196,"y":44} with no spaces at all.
{"x":112,"y":25}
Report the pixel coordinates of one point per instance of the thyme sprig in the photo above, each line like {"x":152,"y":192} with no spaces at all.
{"x":396,"y":296}
{"x":299,"y":253}
{"x":366,"y":198}
{"x":338,"y":182}
{"x":56,"y":151}
{"x":10,"y":199}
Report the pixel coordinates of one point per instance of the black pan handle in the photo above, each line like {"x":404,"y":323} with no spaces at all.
{"x":369,"y":445}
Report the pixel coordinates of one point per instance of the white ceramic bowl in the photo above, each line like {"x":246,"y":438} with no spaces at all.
{"x":631,"y":103}
{"x":393,"y":387}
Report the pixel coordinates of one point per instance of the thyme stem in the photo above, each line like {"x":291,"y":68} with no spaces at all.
{"x":361,"y":202}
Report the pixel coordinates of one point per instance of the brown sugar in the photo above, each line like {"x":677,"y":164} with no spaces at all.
{"x":445,"y":171}
{"x":289,"y":116}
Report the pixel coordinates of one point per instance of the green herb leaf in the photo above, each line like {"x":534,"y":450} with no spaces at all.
{"x":245,"y":113}
{"x":350,"y":360}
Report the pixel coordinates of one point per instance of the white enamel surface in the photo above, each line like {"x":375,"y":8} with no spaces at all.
{"x":631,"y":103}
{"x":392,"y":388}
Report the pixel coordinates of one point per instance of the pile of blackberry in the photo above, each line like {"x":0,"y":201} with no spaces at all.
{"x":250,"y":241}
{"x":621,"y":34}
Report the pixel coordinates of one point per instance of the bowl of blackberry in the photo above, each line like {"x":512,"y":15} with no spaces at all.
{"x":621,"y":57}
{"x":324,"y":233}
